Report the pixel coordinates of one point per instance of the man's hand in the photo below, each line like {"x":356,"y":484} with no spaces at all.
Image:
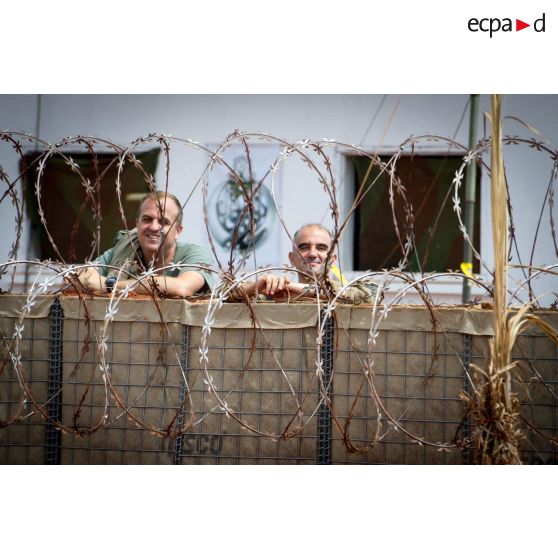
{"x":91,"y":279}
{"x":290,"y":290}
{"x":272,"y":284}
{"x":275,"y":286}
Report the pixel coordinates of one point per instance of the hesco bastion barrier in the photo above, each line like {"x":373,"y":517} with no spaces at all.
{"x":275,"y":383}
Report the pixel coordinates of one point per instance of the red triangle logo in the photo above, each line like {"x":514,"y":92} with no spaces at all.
{"x":519,"y":25}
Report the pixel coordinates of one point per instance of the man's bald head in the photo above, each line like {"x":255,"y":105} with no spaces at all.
{"x":312,"y":243}
{"x":318,"y":226}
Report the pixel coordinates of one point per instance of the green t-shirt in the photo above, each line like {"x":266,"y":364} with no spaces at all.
{"x":126,"y":247}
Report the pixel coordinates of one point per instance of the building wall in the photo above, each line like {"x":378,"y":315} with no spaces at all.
{"x":346,"y":118}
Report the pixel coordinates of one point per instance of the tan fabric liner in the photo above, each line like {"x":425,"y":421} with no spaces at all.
{"x":472,"y":321}
{"x":11,"y":306}
{"x":269,"y":315}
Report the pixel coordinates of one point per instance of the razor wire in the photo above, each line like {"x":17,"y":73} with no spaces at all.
{"x":316,"y":156}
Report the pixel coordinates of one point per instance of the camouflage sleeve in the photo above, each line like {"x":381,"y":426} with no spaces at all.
{"x":237,"y":295}
{"x":360,"y":292}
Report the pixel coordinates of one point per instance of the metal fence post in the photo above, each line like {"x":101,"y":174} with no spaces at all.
{"x":466,"y":454}
{"x":324,"y":413}
{"x":182,"y":394}
{"x":54,"y":388}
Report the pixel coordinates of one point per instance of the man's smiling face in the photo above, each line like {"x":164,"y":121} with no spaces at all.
{"x":309,"y":254}
{"x":158,"y":230}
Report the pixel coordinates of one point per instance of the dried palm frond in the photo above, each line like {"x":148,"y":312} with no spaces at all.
{"x":497,"y":416}
{"x":494,"y":409}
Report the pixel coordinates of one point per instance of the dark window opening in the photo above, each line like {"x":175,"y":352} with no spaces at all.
{"x":69,"y":214}
{"x":428,"y":187}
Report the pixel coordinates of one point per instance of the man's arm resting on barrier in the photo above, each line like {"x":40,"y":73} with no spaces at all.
{"x":186,"y":284}
{"x":275,"y":286}
{"x":282,"y":289}
{"x":268,"y":285}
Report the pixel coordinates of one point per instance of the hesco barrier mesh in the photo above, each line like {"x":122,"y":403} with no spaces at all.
{"x":160,"y":384}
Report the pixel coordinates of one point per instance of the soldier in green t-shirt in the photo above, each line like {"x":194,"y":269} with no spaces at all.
{"x":180,"y":269}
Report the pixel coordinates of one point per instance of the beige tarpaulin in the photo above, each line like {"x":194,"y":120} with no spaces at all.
{"x":11,"y":306}
{"x":471,"y":321}
{"x":268,"y":315}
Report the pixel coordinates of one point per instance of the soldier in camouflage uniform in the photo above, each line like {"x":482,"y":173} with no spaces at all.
{"x":312,"y":244}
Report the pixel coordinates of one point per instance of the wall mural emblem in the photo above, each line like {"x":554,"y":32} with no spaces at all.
{"x":233,"y":223}
{"x":241,"y":213}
